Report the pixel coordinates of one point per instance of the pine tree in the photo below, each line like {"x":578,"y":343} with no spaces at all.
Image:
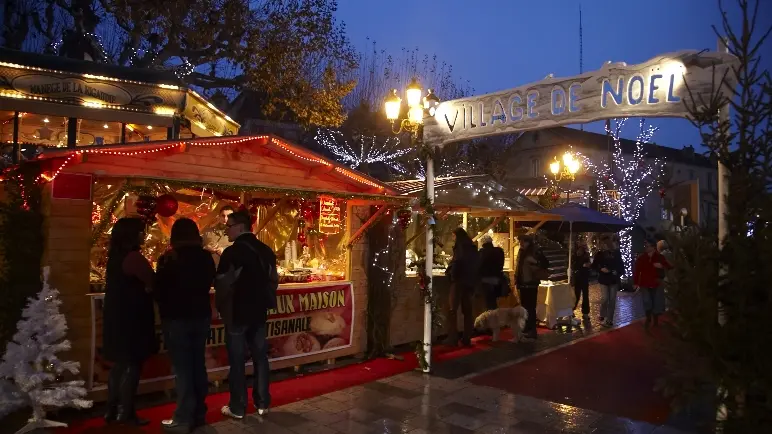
{"x":30,"y":369}
{"x":719,"y":293}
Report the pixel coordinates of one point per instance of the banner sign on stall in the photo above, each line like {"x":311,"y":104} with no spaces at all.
{"x":659,"y":87}
{"x":308,"y":320}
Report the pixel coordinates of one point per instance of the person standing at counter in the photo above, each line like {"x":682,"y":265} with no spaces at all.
{"x":492,"y":275}
{"x":129,"y":319}
{"x":184,"y":277}
{"x":216,"y":238}
{"x":463,"y":271}
{"x":245,"y":287}
{"x":532,"y":268}
{"x":580,"y":268}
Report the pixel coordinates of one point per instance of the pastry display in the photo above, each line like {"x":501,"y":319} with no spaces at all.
{"x":327,"y":324}
{"x":334,"y":343}
{"x":301,"y":343}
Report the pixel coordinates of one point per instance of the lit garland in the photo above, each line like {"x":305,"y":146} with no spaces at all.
{"x":488,"y":191}
{"x":365,"y":150}
{"x":444,"y":168}
{"x":626,"y":181}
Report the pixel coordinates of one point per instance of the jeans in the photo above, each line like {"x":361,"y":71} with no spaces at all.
{"x":608,"y":303}
{"x":654,"y":300}
{"x":122,"y":388}
{"x":528,"y":295}
{"x":581,"y":291}
{"x":238,"y":339}
{"x":186,"y":342}
{"x":460,"y":296}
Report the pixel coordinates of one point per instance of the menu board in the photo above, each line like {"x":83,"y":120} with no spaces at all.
{"x":329,"y":215}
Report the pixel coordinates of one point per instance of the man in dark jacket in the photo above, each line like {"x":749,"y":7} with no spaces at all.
{"x":245,"y":290}
{"x":610,"y":267}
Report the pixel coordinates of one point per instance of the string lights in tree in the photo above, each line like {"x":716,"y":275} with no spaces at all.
{"x":626,"y":180}
{"x":487,"y":191}
{"x":363,"y":150}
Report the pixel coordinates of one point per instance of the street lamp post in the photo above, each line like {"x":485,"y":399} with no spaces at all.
{"x":413,"y":124}
{"x":567,"y":169}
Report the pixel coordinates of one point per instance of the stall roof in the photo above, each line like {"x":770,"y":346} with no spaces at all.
{"x":265,"y":162}
{"x":479,"y":196}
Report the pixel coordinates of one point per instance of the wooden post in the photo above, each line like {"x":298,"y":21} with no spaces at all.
{"x":16,"y":158}
{"x":465,"y":221}
{"x":72,"y":132}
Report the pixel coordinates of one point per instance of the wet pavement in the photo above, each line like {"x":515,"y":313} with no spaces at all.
{"x":444,"y":402}
{"x":415,"y":403}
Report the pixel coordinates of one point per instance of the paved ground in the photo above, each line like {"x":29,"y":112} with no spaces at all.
{"x":416,"y":404}
{"x":445,"y":403}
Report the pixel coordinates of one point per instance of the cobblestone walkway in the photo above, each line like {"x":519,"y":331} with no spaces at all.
{"x":444,"y":403}
{"x":416,"y":404}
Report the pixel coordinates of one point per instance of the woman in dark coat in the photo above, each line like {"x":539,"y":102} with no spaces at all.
{"x":463,"y":271}
{"x":129,"y":336}
{"x":183,"y":279}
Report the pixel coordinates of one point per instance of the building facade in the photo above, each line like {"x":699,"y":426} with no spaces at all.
{"x":690,"y":183}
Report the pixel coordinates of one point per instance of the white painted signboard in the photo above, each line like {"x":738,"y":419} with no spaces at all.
{"x":656,"y":88}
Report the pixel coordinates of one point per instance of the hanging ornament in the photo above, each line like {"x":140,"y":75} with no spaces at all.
{"x":146,"y":206}
{"x":301,"y":223}
{"x":302,"y":238}
{"x":166,"y":205}
{"x":307,"y":210}
{"x":404,"y":216}
{"x":661,"y":192}
{"x":555,"y":196}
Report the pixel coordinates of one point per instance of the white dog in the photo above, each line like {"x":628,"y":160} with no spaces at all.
{"x":495,"y":319}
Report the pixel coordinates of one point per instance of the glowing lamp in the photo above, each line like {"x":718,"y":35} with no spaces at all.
{"x":573,"y":166}
{"x":567,"y":159}
{"x":431,"y":101}
{"x":416,"y":114}
{"x":392,"y":105}
{"x":555,"y":167}
{"x":413,"y":93}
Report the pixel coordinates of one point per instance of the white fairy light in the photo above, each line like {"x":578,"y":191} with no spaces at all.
{"x":625,"y":184}
{"x":365,"y":150}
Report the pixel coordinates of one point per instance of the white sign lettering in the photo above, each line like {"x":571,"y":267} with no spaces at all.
{"x":656,"y":88}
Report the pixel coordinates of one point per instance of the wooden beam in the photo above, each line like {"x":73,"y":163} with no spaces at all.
{"x":270,"y":215}
{"x":362,"y":229}
{"x":490,"y":226}
{"x":536,"y":228}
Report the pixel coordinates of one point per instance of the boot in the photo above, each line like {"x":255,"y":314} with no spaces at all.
{"x":648,"y":320}
{"x":127,"y":416}
{"x":656,"y":320}
{"x":111,"y":414}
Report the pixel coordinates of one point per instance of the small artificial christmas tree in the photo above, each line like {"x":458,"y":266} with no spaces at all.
{"x":30,"y":369}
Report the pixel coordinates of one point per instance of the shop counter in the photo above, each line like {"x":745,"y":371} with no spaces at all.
{"x":312,"y":322}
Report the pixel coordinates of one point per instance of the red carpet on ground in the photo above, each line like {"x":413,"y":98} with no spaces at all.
{"x":612,"y":373}
{"x":295,"y":389}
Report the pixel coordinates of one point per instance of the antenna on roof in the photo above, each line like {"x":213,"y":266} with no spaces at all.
{"x":581,"y":51}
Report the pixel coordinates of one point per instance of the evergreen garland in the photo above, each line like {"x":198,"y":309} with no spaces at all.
{"x":21,"y":244}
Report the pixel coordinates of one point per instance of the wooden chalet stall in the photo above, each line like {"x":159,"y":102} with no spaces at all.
{"x":479,"y":205}
{"x":311,"y":211}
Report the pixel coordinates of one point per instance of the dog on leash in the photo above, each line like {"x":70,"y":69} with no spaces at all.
{"x":497,"y":318}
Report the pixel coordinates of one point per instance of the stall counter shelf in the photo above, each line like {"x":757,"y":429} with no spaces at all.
{"x":312,"y":322}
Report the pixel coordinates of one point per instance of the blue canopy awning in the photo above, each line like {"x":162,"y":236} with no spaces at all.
{"x":578,"y":218}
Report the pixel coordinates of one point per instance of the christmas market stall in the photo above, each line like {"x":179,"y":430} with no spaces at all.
{"x":310,"y":210}
{"x":479,"y":205}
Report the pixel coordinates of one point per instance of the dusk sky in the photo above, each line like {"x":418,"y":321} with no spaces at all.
{"x":504,"y":44}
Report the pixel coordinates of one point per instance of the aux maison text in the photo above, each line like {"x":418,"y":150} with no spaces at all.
{"x":292,"y":303}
